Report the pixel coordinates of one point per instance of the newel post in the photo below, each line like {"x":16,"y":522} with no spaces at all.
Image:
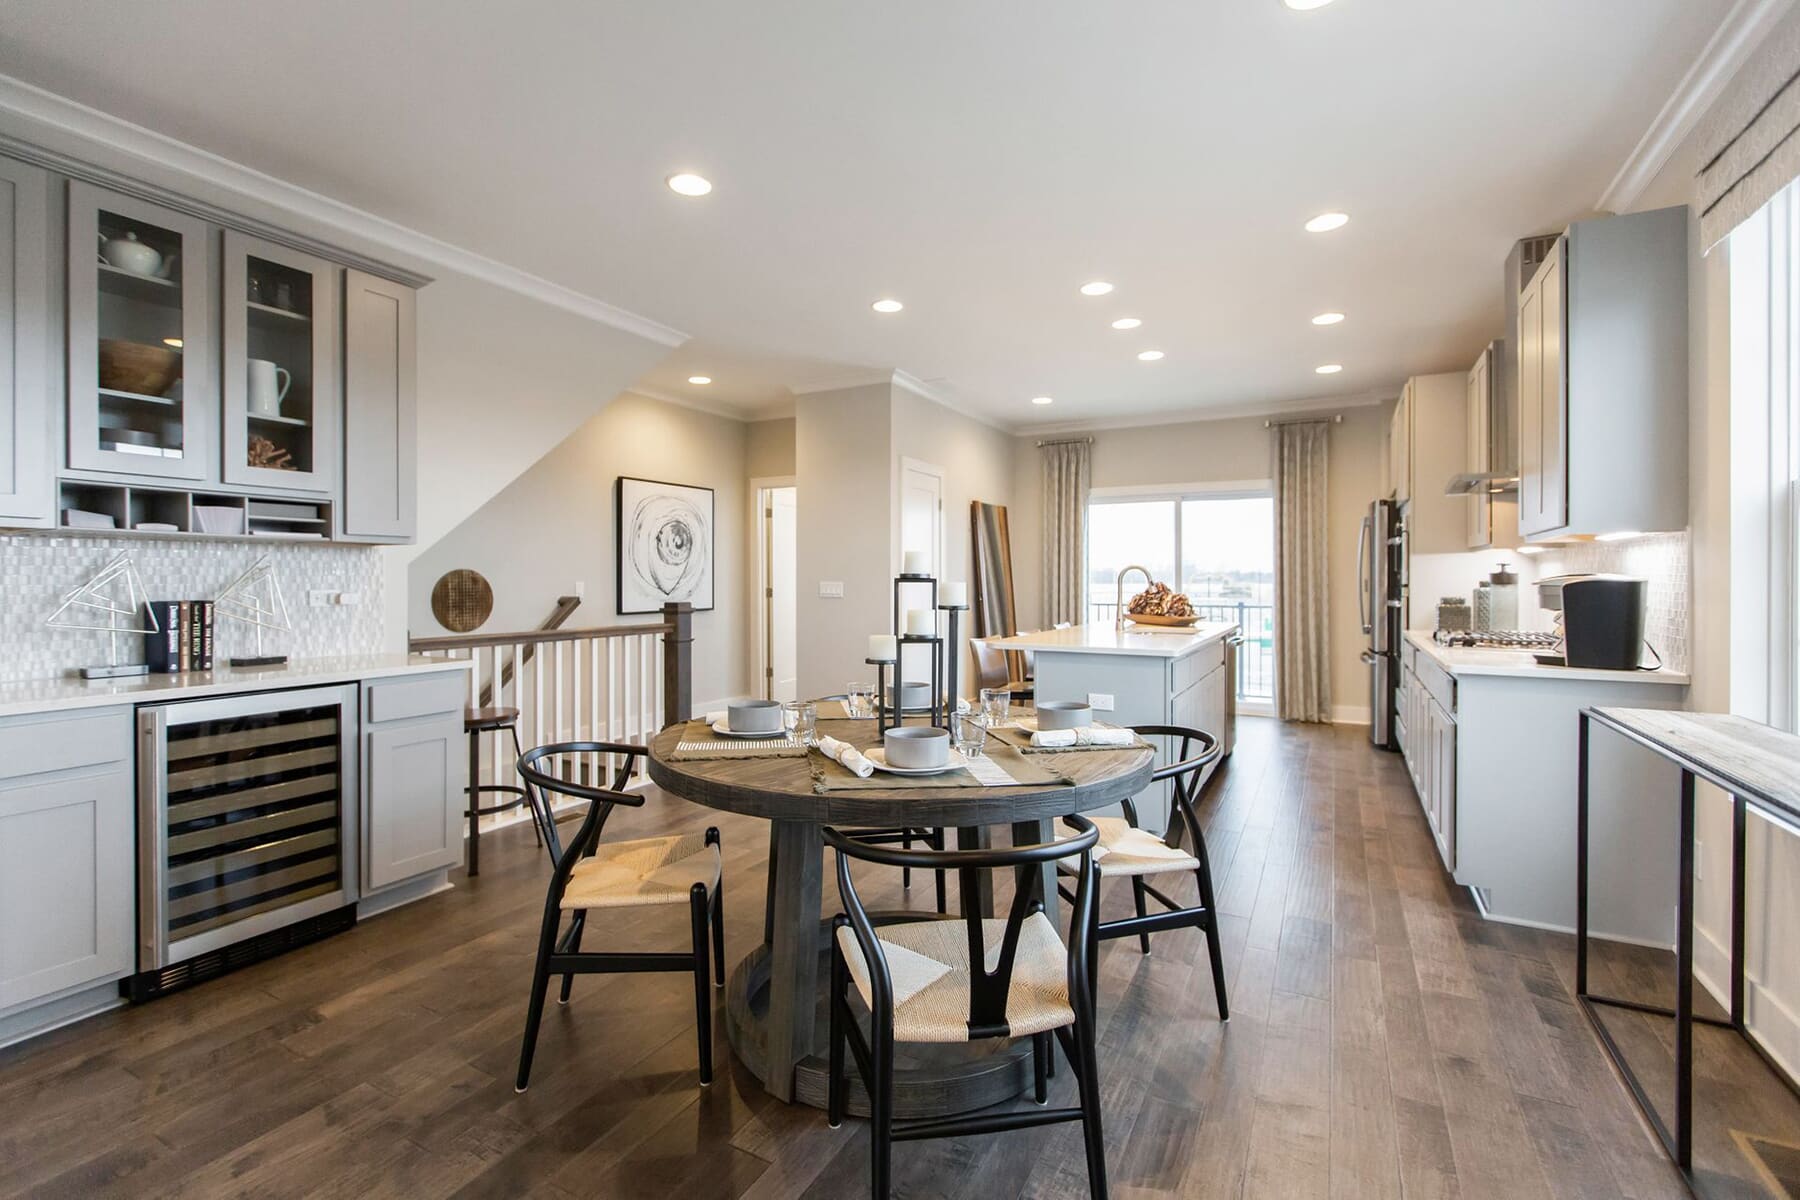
{"x":678,"y":663}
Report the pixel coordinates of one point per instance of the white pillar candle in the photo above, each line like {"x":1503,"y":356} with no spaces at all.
{"x":953,"y":595}
{"x":915,"y":562}
{"x":883,"y":647}
{"x":921,"y":622}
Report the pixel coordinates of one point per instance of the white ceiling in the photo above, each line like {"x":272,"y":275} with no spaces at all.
{"x":977,"y":160}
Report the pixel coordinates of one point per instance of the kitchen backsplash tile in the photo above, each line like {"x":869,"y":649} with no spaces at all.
{"x":1660,"y":558}
{"x":37,"y":571}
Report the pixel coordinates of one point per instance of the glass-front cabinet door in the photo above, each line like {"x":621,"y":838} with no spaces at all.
{"x":280,"y":366}
{"x":143,"y":384}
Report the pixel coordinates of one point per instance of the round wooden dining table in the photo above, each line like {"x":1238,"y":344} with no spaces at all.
{"x":775,"y":998}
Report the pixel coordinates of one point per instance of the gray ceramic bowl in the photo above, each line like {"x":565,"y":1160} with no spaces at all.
{"x":1063,"y":714}
{"x":913,"y":696}
{"x":753,"y":716}
{"x":917,"y":746}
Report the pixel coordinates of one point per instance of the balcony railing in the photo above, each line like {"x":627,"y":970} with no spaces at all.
{"x":1256,"y":657}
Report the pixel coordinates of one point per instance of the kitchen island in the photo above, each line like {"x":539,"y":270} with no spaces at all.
{"x":1139,"y":675}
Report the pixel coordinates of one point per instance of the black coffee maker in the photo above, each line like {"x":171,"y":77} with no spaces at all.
{"x":1603,"y":621}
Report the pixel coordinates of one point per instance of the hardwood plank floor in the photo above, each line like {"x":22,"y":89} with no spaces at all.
{"x":1385,"y":1041}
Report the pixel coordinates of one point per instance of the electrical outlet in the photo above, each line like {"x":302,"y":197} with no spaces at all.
{"x":1699,"y":860}
{"x":831,"y":589}
{"x":581,"y":589}
{"x":1100,"y":701}
{"x":320,"y":597}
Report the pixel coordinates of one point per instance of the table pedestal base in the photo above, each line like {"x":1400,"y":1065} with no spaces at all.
{"x":929,"y":1080}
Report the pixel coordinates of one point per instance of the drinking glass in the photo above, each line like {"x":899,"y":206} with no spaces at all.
{"x":801,"y":719}
{"x":859,"y":700}
{"x":995,"y":703}
{"x":969,"y":732}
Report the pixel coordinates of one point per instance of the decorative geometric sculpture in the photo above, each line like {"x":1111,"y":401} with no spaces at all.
{"x":254,"y":598}
{"x":99,"y":605}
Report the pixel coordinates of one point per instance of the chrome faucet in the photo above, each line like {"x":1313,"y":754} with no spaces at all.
{"x":1119,"y":598}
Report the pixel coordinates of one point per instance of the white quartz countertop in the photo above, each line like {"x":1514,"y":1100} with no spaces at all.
{"x":1478,"y":660}
{"x":53,"y":695}
{"x":1150,"y":641}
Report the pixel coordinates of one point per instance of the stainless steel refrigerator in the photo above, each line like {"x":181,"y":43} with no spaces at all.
{"x":1381,"y":589}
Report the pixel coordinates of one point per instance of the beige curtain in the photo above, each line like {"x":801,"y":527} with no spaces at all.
{"x":1302,"y":572}
{"x":1065,"y":530}
{"x":1748,"y":144}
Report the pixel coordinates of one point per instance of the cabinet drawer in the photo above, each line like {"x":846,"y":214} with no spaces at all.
{"x":35,"y":745}
{"x":1185,"y":672}
{"x":404,"y":699}
{"x":1438,"y":683}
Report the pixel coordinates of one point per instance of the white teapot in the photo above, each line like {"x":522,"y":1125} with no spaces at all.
{"x":129,"y":254}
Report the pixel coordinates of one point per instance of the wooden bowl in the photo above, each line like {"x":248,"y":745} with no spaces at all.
{"x":135,"y":367}
{"x":1147,"y":619}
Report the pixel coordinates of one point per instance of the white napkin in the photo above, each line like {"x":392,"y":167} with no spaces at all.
{"x":1086,"y":735}
{"x":847,"y":755}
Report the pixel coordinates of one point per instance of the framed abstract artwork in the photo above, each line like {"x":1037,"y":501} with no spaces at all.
{"x":665,"y":545}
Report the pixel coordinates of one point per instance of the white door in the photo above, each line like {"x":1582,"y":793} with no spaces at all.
{"x":784,"y":671}
{"x":921,"y":528}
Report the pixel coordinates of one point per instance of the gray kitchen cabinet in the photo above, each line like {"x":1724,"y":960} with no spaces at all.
{"x":67,"y":848}
{"x":280,"y":381}
{"x":26,"y":471}
{"x":415,"y":769}
{"x":1436,"y":523}
{"x":380,"y":410}
{"x":1400,"y":458}
{"x":1603,"y":380}
{"x":1492,"y":519}
{"x":143,"y":395}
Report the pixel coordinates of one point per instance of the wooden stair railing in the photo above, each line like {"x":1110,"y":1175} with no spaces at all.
{"x":565,"y":608}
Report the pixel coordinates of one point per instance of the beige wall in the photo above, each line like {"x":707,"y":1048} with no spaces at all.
{"x":1212,"y":452}
{"x":771,"y":454}
{"x":977,"y":461}
{"x":554,"y":526}
{"x":843,"y":457}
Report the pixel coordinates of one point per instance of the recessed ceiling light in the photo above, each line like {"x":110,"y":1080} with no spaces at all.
{"x":700,"y":380}
{"x":887,"y":306}
{"x":1149,"y":355}
{"x":1042,"y":400}
{"x":175,"y":342}
{"x":1327,"y":221}
{"x":689,"y":184}
{"x":1098,"y":287}
{"x":1127,"y":323}
{"x":1305,"y":5}
{"x":1328,"y":318}
{"x":1329,"y":369}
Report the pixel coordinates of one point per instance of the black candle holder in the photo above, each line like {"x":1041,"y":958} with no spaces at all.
{"x":904,"y":580}
{"x":952,"y":661}
{"x":881,"y":666}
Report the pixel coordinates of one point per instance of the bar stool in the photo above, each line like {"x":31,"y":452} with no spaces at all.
{"x":477,"y":721}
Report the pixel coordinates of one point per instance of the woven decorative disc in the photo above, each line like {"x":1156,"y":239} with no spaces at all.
{"x":462,"y":601}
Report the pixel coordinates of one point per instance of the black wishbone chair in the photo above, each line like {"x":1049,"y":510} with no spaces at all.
{"x":635,"y":874}
{"x":1130,"y":852}
{"x":960,"y":979}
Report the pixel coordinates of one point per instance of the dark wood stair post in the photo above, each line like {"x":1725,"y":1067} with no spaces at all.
{"x":678,"y":663}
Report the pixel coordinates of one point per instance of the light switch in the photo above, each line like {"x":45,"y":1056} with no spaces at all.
{"x":831,"y":589}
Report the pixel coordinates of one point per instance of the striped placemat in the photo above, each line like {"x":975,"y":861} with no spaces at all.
{"x":696,"y":743}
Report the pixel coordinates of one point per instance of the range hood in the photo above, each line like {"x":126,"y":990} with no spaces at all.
{"x":1483,"y":483}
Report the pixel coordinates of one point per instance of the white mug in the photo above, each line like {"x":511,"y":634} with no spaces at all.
{"x":268,"y":387}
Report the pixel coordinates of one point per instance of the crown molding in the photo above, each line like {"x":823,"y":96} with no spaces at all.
{"x":700,"y":406}
{"x":1737,"y":36}
{"x":1234,"y":412}
{"x":838,"y":383}
{"x":91,"y":128}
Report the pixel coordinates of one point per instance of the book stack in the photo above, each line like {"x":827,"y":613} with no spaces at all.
{"x":184,"y":637}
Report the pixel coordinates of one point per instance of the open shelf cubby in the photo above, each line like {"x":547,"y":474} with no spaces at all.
{"x":189,"y":513}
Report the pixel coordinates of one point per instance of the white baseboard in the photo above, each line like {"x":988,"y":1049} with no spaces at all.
{"x":1349,"y":714}
{"x":1774,"y":1024}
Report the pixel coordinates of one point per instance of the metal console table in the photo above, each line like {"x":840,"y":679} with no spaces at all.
{"x":1759,"y":767}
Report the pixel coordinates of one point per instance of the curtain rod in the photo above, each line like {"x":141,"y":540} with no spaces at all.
{"x":1086,"y":441}
{"x":1335,"y":419}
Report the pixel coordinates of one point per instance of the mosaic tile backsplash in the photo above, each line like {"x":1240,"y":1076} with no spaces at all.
{"x":38,"y":571}
{"x":1663,"y":560}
